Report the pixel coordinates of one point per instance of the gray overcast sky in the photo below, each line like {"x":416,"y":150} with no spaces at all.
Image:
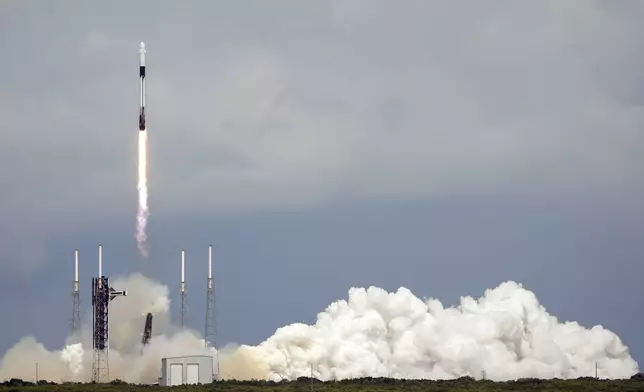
{"x":441,"y":146}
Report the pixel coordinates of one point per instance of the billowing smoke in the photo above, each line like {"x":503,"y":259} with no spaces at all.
{"x":129,"y":359}
{"x":72,"y":355}
{"x":505,"y":334}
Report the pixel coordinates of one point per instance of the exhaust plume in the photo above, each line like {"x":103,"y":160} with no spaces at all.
{"x":142,"y":186}
{"x":505,"y":334}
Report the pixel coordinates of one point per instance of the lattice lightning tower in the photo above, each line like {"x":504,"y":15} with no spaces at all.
{"x":74,"y":322}
{"x":210,"y":334}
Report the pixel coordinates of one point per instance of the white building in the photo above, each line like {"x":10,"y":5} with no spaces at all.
{"x":190,"y":369}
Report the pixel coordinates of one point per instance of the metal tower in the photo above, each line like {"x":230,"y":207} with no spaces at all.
{"x":102,"y":294}
{"x":210,"y":334}
{"x":74,"y":322}
{"x":183,"y":288}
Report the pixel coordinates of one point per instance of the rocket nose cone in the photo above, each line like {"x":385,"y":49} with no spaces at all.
{"x":142,"y":45}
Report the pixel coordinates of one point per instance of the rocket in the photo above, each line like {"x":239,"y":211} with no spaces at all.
{"x":142,"y":122}
{"x":183,"y":271}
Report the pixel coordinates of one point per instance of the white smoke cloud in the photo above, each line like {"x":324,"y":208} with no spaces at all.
{"x":72,"y":355}
{"x":20,"y":361}
{"x":505,"y":334}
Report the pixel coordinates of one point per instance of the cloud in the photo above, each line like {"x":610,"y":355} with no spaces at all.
{"x":350,"y":101}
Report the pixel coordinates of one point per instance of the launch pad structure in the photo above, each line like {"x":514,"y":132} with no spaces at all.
{"x":74,"y":322}
{"x":210,"y":333}
{"x":102,"y":295}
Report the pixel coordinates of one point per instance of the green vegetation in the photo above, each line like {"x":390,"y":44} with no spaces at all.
{"x":636,"y":383}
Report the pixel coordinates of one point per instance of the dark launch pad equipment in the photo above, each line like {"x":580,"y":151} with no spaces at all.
{"x":147,"y":330}
{"x":102,"y":294}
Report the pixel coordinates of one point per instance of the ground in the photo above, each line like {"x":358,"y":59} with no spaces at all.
{"x":357,"y":385}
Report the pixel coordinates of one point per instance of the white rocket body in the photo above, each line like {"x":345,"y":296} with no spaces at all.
{"x":142,"y":120}
{"x":183,"y":271}
{"x":76,"y":270}
{"x":210,"y":267}
{"x":100,"y":261}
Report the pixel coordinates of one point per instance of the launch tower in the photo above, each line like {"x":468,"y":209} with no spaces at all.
{"x":210,"y":334}
{"x":102,"y":294}
{"x":211,"y":329}
{"x":74,"y":322}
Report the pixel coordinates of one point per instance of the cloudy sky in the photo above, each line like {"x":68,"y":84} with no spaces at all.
{"x":441,"y":146}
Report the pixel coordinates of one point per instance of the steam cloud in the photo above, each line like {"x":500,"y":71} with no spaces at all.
{"x":505,"y":334}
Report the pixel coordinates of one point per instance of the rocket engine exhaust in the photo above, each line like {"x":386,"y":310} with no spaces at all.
{"x":142,"y":186}
{"x":142,"y":183}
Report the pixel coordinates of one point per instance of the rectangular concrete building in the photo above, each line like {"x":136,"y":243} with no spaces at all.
{"x":191,"y":369}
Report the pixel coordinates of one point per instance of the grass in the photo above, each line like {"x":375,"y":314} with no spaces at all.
{"x":355,"y":385}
